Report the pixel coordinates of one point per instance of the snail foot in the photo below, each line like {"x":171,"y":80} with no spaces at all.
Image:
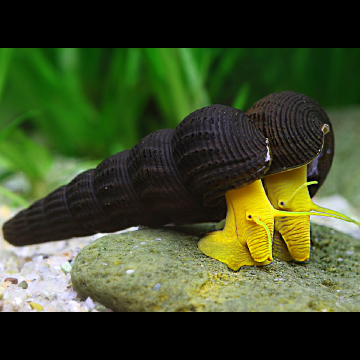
{"x":228,"y":250}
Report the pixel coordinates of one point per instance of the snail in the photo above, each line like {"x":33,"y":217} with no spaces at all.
{"x":288,"y":190}
{"x":253,"y":167}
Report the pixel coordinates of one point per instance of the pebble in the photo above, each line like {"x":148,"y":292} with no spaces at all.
{"x":90,"y":303}
{"x":100,"y":308}
{"x":12,"y":280}
{"x":57,"y":269}
{"x":66,"y":267}
{"x":36,"y":306}
{"x":23,"y":284}
{"x":157,"y":286}
{"x":2,"y":288}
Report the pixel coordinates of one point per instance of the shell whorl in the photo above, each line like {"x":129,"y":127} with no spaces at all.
{"x":217,"y":148}
{"x":159,"y":185}
{"x":294,"y":124}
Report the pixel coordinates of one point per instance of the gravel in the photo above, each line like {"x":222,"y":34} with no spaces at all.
{"x":37,"y":277}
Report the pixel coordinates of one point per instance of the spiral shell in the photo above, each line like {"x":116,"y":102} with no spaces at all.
{"x":218,"y":149}
{"x":181,"y":175}
{"x":296,"y":126}
{"x":168,"y":176}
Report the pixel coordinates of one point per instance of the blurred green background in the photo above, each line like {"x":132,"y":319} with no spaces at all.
{"x":86,"y":104}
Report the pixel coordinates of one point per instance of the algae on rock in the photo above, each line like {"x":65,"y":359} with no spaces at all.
{"x":163,"y":270}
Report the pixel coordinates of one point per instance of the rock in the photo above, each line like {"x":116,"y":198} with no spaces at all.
{"x":11,"y":280}
{"x":36,"y":306}
{"x":23,"y":284}
{"x":136,"y":271}
{"x":66,"y":267}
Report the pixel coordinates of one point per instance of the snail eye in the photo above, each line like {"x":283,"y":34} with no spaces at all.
{"x":248,"y":215}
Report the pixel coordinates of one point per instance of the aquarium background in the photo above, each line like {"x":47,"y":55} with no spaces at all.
{"x":63,"y":110}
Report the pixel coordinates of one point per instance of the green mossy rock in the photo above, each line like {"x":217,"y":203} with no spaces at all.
{"x":135,"y":271}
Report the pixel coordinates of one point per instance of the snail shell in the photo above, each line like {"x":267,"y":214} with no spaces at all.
{"x":177,"y":175}
{"x":166,"y":177}
{"x":295,"y":125}
{"x":217,"y":149}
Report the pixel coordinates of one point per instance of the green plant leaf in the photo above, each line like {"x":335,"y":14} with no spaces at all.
{"x":242,"y":97}
{"x":17,"y":199}
{"x":5,"y":57}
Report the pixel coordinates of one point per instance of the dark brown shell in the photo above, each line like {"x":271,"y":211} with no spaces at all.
{"x":217,"y":149}
{"x":160,"y":186}
{"x":169,"y":176}
{"x":294,"y":124}
{"x":180,"y":175}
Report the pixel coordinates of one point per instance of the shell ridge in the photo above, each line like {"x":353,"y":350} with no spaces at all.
{"x":295,"y":140}
{"x":79,"y":199}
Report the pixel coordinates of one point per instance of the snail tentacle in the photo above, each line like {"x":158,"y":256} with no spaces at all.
{"x":261,"y":223}
{"x":332,"y":213}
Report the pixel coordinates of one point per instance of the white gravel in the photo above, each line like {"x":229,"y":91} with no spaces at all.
{"x":43,"y":273}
